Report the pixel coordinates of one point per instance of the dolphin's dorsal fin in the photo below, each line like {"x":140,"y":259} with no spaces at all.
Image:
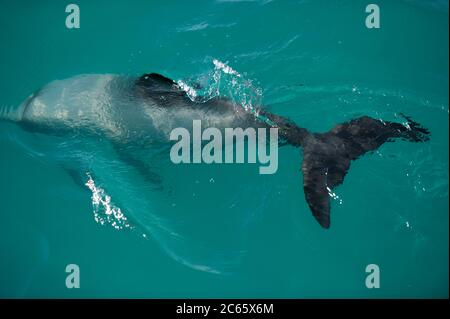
{"x":158,"y":77}
{"x":156,"y":82}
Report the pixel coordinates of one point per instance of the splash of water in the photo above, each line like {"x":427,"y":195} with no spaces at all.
{"x":226,"y":82}
{"x":105,"y":212}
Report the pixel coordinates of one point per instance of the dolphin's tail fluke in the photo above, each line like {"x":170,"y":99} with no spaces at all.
{"x":327,"y":157}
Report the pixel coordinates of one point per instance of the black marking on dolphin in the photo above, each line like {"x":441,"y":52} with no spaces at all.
{"x":326,"y":156}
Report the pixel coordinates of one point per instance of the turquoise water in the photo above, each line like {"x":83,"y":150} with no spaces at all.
{"x":225,"y":230}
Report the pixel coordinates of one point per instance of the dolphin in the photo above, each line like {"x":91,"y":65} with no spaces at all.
{"x":138,"y":113}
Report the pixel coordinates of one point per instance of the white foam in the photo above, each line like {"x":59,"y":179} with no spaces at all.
{"x":190,"y":91}
{"x":105,"y":212}
{"x":225,"y":68}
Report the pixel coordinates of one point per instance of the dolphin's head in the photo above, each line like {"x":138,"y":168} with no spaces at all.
{"x":80,"y":102}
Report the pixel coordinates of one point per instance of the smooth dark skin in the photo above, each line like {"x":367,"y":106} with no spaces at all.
{"x":326,"y":156}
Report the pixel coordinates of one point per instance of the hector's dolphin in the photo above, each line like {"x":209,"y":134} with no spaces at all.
{"x":143,"y":111}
